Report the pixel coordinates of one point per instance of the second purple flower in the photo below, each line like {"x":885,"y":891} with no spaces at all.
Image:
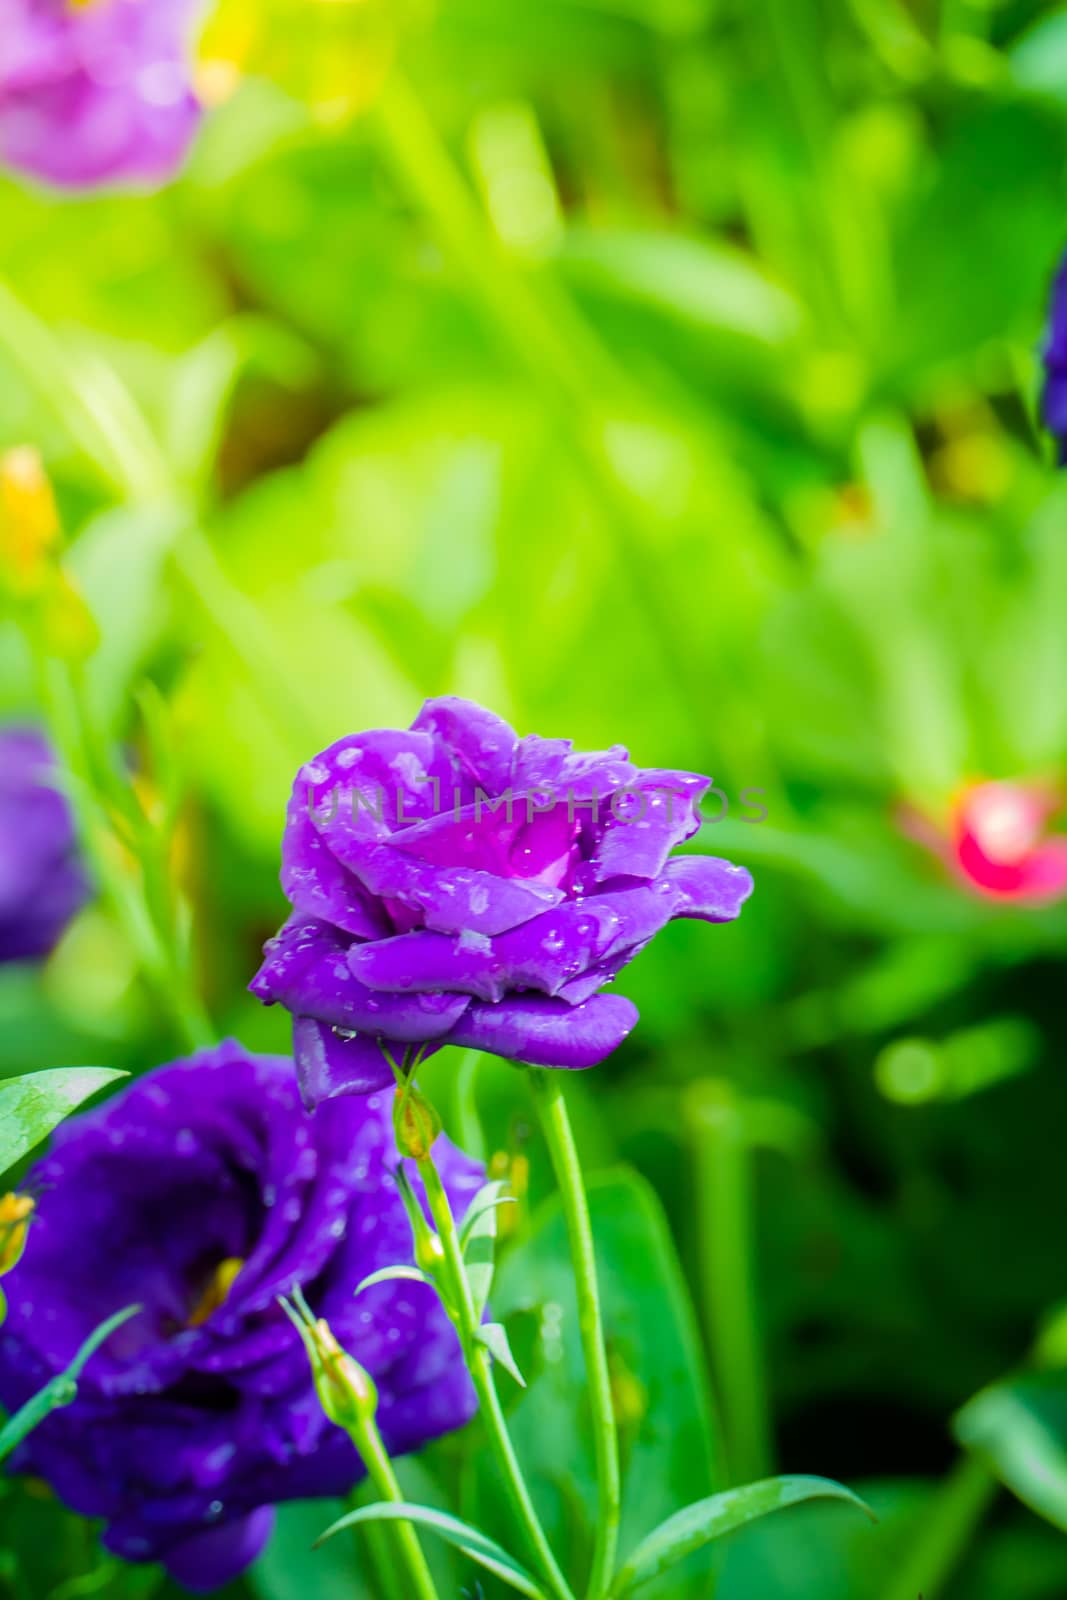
{"x":452,"y":883}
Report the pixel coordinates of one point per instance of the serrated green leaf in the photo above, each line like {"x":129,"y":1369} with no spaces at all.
{"x":719,"y":1514}
{"x":62,"y":1389}
{"x":495,"y":1338}
{"x":393,"y":1275}
{"x":31,"y":1106}
{"x":469,"y":1540}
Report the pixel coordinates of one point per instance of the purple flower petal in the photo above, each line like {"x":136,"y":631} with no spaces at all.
{"x":451,"y":899}
{"x":212,"y":1558}
{"x":306,"y":971}
{"x":478,"y":745}
{"x":708,"y":887}
{"x":199,"y":1414}
{"x":547,"y":1033}
{"x":328,"y":1065}
{"x":319,"y":886}
{"x":643,"y":825}
{"x":99,"y":93}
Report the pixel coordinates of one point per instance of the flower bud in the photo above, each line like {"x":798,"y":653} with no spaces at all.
{"x":415,"y":1122}
{"x":347,"y":1393}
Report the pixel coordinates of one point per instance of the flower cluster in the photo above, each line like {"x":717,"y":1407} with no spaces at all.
{"x":96,"y":91}
{"x":202,"y":1193}
{"x":453,"y":883}
{"x":42,"y":883}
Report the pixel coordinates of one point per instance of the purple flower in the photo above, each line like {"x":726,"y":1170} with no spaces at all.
{"x":96,"y":91}
{"x":41,"y":882}
{"x":1054,"y":394}
{"x":454,"y":884}
{"x":202,"y":1192}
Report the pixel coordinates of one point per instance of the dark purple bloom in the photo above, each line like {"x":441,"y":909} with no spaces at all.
{"x":203,"y":1192}
{"x":1054,"y":394}
{"x":96,"y":91}
{"x":455,"y":884}
{"x":41,"y":881}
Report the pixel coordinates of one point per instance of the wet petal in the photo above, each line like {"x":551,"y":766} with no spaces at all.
{"x":477,"y":744}
{"x":451,"y":899}
{"x":643,"y":825}
{"x":328,"y":1065}
{"x":319,"y":886}
{"x":306,"y":971}
{"x":547,"y":1033}
{"x":708,"y":887}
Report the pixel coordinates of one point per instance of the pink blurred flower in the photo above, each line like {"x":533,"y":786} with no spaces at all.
{"x":999,"y":841}
{"x":96,"y":92}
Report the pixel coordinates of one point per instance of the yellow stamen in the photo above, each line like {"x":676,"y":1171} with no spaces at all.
{"x":219,"y":1286}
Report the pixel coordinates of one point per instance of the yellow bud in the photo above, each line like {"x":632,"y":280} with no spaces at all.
{"x":29,"y":523}
{"x":15,"y":1213}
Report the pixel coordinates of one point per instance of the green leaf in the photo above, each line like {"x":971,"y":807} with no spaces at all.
{"x":474,"y":1544}
{"x":31,"y":1106}
{"x":719,"y":1514}
{"x":62,"y":1389}
{"x":489,"y":1196}
{"x":479,"y":1244}
{"x":392,"y":1275}
{"x":661,"y":1399}
{"x":1019,"y":1429}
{"x":495,"y":1338}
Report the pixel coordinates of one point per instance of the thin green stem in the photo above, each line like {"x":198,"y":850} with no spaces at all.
{"x":555,"y":1122}
{"x":947,"y":1532}
{"x":480,"y":1365}
{"x":368,"y":1441}
{"x":724,"y":1206}
{"x":373,"y":1548}
{"x":158,"y":948}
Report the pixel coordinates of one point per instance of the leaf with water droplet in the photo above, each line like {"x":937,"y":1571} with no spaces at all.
{"x":31,"y":1106}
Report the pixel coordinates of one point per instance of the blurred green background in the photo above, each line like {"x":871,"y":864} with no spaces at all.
{"x":655,"y":371}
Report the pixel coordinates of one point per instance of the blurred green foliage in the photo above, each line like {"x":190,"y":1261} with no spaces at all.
{"x":660,"y":371}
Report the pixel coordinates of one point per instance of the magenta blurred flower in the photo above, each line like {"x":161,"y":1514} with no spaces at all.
{"x":202,"y":1192}
{"x":452,"y":883}
{"x":1000,"y":843}
{"x":96,"y":92}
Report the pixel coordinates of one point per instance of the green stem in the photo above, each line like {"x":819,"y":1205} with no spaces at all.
{"x":480,"y":1365}
{"x":555,"y":1122}
{"x":375,"y":1457}
{"x":947,"y":1531}
{"x":724,"y":1182}
{"x":158,"y":949}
